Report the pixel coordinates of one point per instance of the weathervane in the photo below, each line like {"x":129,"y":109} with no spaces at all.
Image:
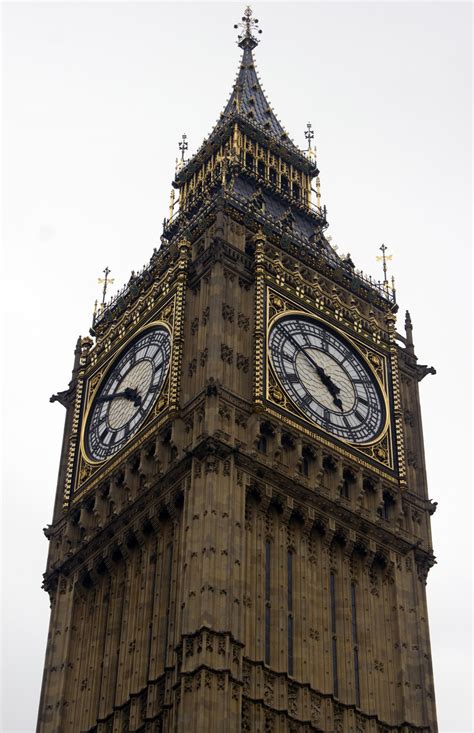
{"x":248,"y":25}
{"x":383,"y":258}
{"x":309,"y":134}
{"x":105,"y":281}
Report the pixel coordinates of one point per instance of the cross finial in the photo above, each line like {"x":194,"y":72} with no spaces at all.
{"x":249,"y":26}
{"x":183,"y":145}
{"x":105,"y":281}
{"x":383,"y":258}
{"x":309,"y":134}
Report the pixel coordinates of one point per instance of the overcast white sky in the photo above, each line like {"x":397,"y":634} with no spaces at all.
{"x":95,"y":98}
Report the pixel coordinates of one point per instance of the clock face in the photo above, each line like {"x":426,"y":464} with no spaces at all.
{"x":327,"y":379}
{"x":128,"y":393}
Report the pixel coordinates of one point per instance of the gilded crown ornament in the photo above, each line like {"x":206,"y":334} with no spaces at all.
{"x":249,"y":26}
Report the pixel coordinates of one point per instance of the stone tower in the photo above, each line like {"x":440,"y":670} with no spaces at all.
{"x":241,"y":534}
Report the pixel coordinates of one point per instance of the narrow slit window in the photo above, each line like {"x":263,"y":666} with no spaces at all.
{"x":305,"y":466}
{"x":332,"y":590}
{"x":386,"y":509}
{"x":169,"y":567}
{"x":345,"y":489}
{"x":268,"y":546}
{"x":290,"y":615}
{"x":356,"y":645}
{"x":262,"y":444}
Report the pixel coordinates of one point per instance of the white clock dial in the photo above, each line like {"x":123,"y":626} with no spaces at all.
{"x":128,"y":393}
{"x":326,"y":378}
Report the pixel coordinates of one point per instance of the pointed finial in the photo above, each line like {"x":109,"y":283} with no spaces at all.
{"x":394,"y":292}
{"x":183,"y":145}
{"x":105,"y":281}
{"x":408,"y":331}
{"x":309,"y":135}
{"x":238,"y":96}
{"x":172,"y":202}
{"x":248,"y":25}
{"x":383,"y":258}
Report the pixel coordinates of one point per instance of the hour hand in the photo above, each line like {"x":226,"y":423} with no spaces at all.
{"x":133,"y":396}
{"x":128,"y":394}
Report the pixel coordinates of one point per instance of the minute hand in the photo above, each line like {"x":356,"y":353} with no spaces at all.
{"x":333,"y":389}
{"x":327,"y":381}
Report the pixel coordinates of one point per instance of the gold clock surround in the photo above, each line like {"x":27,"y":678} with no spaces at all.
{"x":84,"y":472}
{"x":96,"y":380}
{"x":279,"y":404}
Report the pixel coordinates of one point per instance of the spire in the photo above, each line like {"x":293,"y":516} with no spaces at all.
{"x":247,"y":98}
{"x":248,"y":106}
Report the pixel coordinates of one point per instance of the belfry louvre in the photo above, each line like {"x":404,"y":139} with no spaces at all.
{"x":241,"y":533}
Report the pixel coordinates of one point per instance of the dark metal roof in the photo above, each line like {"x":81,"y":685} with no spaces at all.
{"x":248,"y":100}
{"x":303,"y":226}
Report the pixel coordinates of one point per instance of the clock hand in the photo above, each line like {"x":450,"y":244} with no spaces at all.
{"x":128,"y":394}
{"x":333,"y":389}
{"x":133,"y":396}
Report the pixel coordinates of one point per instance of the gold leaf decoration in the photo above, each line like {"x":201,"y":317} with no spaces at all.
{"x":277,"y":305}
{"x":160,"y":405}
{"x":380,"y":453}
{"x":275,"y":392}
{"x":94,"y":381}
{"x":84,"y":472}
{"x":167,"y":314}
{"x":277,"y":395}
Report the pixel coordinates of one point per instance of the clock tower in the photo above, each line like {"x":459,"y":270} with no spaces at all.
{"x":241,"y":533}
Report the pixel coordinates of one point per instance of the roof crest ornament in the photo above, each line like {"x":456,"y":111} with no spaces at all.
{"x":249,"y":26}
{"x":183,"y":146}
{"x":309,"y":135}
{"x":105,"y":281}
{"x":383,"y":258}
